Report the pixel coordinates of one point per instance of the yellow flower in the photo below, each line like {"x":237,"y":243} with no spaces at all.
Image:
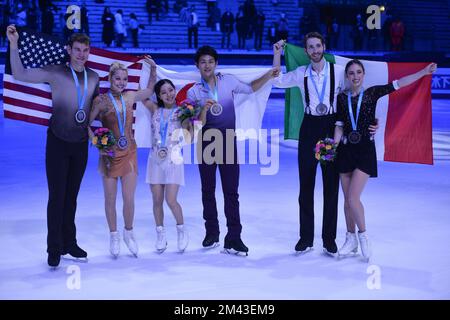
{"x":328,"y":147}
{"x":317,"y":156}
{"x":94,"y":141}
{"x":105,"y":140}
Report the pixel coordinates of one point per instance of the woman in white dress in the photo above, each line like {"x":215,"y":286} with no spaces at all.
{"x":165,"y":168}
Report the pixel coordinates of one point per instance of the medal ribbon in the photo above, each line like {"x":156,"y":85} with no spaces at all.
{"x":164,"y":125}
{"x":81,"y":99}
{"x":322,"y":94}
{"x":119,"y":120}
{"x":358,"y":108}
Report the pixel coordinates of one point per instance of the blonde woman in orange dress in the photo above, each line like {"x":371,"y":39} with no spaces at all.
{"x":115,"y":110}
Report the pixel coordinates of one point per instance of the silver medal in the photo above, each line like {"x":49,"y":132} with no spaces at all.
{"x":80,"y":116}
{"x":321,"y":109}
{"x":162,"y":153}
{"x":122,"y":143}
{"x":354,"y":137}
{"x":216,"y":109}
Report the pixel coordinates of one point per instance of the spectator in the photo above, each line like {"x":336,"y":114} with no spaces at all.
{"x":48,"y":21}
{"x":215,"y":19}
{"x":397,"y":32}
{"x":226,"y":25}
{"x":108,"y":27}
{"x":249,"y":18}
{"x":259,"y":29}
{"x":358,"y":34}
{"x":84,"y":19}
{"x":283,"y":28}
{"x":153,"y":6}
{"x":241,"y":28}
{"x":333,"y":34}
{"x":193,"y":24}
{"x":272,"y":33}
{"x":134,"y":27}
{"x":119,"y":27}
{"x":387,"y":31}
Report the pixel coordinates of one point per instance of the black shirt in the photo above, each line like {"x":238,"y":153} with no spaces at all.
{"x":367,"y":111}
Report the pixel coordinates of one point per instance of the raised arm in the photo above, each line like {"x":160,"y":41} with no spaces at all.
{"x":258,"y":83}
{"x":407,"y":80}
{"x":287,"y":80}
{"x":277,"y":49}
{"x":146,"y":93}
{"x":150,"y":105}
{"x":34,"y":75}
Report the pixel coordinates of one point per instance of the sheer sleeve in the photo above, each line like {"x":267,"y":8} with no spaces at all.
{"x":376,"y":92}
{"x":341,"y":109}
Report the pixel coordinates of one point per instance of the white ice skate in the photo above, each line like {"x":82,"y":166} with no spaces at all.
{"x":114,"y":244}
{"x":130,"y":241}
{"x":182,"y":237}
{"x":350,"y":246}
{"x":366,"y":248}
{"x":161,"y":240}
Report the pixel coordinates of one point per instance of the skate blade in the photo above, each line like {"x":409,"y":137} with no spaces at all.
{"x":234,"y":252}
{"x":160,"y":250}
{"x":53,"y":268}
{"x":74,"y":259}
{"x":182,"y":250}
{"x":348,"y":255}
{"x":300,"y":253}
{"x":331,"y":254}
{"x":215,"y":245}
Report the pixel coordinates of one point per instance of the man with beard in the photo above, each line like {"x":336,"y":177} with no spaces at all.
{"x":319,"y":83}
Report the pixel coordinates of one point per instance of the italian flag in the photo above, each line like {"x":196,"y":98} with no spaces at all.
{"x":405,"y":133}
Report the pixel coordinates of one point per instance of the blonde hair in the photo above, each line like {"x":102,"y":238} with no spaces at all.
{"x":114,"y":67}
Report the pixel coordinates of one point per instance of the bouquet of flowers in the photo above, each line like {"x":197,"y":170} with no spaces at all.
{"x":104,"y":140}
{"x":188,"y":109}
{"x":325,"y":150}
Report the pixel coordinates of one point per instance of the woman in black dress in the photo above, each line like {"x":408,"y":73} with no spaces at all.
{"x":357,"y":160}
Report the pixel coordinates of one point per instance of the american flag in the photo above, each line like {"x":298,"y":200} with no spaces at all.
{"x":31,"y":102}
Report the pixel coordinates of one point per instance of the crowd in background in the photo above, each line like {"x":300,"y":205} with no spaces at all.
{"x":245,"y":29}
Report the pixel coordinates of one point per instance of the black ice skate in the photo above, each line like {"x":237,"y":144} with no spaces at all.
{"x":236,"y":247}
{"x":303,"y":246}
{"x":210,"y":241}
{"x":75,"y":253}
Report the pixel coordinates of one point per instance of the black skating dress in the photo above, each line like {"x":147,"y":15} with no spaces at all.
{"x":361,"y":155}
